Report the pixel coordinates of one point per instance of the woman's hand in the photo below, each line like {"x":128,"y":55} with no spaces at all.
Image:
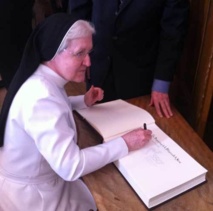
{"x":137,"y":138}
{"x":93,"y":95}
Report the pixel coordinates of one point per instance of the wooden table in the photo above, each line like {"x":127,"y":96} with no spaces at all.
{"x":112,"y":192}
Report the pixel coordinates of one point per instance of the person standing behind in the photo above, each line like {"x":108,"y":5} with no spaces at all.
{"x":136,"y":47}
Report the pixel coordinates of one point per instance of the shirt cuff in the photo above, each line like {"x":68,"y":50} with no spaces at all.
{"x":77,"y":102}
{"x":161,"y":86}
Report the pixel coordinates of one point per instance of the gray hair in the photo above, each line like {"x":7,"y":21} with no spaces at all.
{"x":79,"y":29}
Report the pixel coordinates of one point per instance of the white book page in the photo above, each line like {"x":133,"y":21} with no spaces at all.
{"x":114,"y":118}
{"x":160,"y":166}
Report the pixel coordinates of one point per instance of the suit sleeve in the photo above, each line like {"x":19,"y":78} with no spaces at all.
{"x":81,"y":8}
{"x":173,"y":30}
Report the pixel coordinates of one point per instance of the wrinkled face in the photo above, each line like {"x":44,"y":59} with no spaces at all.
{"x":72,"y":63}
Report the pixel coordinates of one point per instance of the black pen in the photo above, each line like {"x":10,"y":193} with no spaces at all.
{"x":144,"y":126}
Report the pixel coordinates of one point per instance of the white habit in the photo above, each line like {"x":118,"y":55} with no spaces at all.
{"x":40,"y":162}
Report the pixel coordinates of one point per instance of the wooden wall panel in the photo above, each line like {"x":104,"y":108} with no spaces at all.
{"x":203,"y":86}
{"x":192,"y":87}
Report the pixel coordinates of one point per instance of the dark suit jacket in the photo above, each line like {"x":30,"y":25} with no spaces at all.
{"x":136,"y":43}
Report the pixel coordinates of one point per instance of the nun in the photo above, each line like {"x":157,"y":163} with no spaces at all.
{"x":41,"y":164}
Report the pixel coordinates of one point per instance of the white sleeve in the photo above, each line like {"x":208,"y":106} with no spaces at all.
{"x":103,"y":154}
{"x":77,"y":102}
{"x":51,"y":125}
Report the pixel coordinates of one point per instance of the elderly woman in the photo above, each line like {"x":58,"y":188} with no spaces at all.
{"x":40,"y":161}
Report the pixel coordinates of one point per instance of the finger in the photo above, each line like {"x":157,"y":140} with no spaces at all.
{"x":166,"y":102}
{"x":95,"y":95}
{"x":90,"y":91}
{"x":151,"y":102}
{"x":149,"y":132}
{"x":158,"y":108}
{"x":166,"y":108}
{"x":98,"y":93}
{"x":92,"y":87}
{"x":102,"y":95}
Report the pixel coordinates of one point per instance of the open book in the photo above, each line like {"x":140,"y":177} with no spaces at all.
{"x":158,"y":171}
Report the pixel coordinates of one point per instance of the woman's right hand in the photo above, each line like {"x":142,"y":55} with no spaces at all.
{"x":137,"y":138}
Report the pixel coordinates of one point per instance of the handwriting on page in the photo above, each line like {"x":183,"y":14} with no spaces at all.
{"x":156,"y":152}
{"x":166,"y":149}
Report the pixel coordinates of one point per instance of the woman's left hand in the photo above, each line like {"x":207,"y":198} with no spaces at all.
{"x":93,"y":95}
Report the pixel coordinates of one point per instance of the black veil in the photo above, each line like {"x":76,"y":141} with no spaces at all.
{"x":41,"y":46}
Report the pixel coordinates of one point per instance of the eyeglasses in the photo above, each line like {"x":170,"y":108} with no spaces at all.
{"x":80,"y":54}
